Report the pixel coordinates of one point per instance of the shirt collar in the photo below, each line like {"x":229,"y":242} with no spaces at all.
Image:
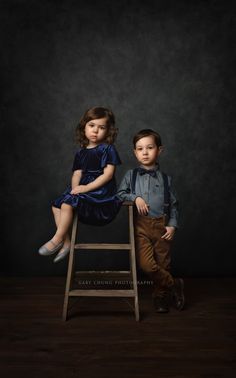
{"x":156,"y":168}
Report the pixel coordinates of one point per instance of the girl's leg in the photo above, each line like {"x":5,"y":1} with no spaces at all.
{"x":63,"y":219}
{"x":56,"y":214}
{"x":57,"y":217}
{"x":66,"y":216}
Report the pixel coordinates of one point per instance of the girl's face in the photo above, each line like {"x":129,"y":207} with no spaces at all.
{"x":147,"y":152}
{"x":96,"y":131}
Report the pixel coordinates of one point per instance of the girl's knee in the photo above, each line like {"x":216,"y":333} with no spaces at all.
{"x":65,"y":206}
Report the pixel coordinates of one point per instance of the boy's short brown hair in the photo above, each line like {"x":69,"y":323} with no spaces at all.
{"x":147,"y":132}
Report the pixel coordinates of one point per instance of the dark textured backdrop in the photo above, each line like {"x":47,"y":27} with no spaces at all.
{"x":166,"y":65}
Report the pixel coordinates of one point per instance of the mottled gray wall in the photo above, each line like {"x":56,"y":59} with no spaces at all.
{"x":166,"y":65}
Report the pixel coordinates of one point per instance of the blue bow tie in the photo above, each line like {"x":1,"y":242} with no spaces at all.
{"x":150,"y":172}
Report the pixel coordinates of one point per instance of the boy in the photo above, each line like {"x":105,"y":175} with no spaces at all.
{"x":155,"y":219}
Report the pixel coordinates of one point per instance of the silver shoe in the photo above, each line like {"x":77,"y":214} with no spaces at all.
{"x":44,"y":251}
{"x":61,"y":254}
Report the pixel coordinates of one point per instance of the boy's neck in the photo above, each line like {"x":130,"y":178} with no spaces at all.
{"x":152,"y":166}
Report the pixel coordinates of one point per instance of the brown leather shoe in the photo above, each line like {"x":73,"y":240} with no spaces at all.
{"x":161,"y":304}
{"x":177,"y":294}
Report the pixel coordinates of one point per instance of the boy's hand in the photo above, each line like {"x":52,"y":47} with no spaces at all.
{"x":79,"y":189}
{"x":170,"y":231}
{"x":141,"y":205}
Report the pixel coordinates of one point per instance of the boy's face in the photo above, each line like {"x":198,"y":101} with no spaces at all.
{"x":147,"y":152}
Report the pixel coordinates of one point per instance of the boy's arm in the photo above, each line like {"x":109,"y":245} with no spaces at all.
{"x":125,"y":194}
{"x":124,"y":191}
{"x":174,"y":211}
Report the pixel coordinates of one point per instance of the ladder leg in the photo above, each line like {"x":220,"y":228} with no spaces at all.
{"x":70,"y":267}
{"x":133,"y":263}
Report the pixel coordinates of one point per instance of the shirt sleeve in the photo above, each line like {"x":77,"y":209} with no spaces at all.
{"x":77,"y":162}
{"x":124,"y":190}
{"x":174,"y":207}
{"x":110,"y":156}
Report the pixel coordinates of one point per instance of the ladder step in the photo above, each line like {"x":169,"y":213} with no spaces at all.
{"x":102,"y":246}
{"x":101,"y":293}
{"x":110,"y":273}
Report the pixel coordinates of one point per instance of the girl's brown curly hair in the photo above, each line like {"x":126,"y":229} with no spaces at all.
{"x":96,"y":113}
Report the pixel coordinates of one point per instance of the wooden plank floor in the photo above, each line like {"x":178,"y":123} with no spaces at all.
{"x":102,"y":338}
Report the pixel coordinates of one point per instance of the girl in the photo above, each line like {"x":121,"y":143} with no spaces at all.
{"x":93,"y":185}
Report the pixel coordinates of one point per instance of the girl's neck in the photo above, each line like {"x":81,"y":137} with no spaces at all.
{"x":93,"y":145}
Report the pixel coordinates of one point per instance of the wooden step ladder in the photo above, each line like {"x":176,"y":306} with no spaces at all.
{"x":132,"y":273}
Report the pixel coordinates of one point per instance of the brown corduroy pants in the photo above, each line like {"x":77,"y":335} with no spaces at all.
{"x":153,"y":252}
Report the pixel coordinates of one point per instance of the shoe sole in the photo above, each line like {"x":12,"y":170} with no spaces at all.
{"x":61,"y":256}
{"x":182,"y":292}
{"x":47,"y":253}
{"x":162,"y":311}
{"x":43,"y":251}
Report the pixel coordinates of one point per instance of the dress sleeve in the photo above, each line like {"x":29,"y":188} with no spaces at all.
{"x":77,"y":162}
{"x":110,"y":156}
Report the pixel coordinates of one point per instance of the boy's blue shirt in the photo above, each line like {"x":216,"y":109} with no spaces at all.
{"x":151,"y":189}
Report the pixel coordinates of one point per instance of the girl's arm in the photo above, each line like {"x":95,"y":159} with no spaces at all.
{"x":107,"y":175}
{"x":75,"y":180}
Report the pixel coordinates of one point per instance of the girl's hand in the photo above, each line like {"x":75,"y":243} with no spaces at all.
{"x":170,"y":231}
{"x":79,"y":189}
{"x":141,"y":205}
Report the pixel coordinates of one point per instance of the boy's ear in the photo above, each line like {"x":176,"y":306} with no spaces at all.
{"x":161,"y":148}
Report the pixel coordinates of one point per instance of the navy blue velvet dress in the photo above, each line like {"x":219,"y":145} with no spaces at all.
{"x":100,"y":206}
